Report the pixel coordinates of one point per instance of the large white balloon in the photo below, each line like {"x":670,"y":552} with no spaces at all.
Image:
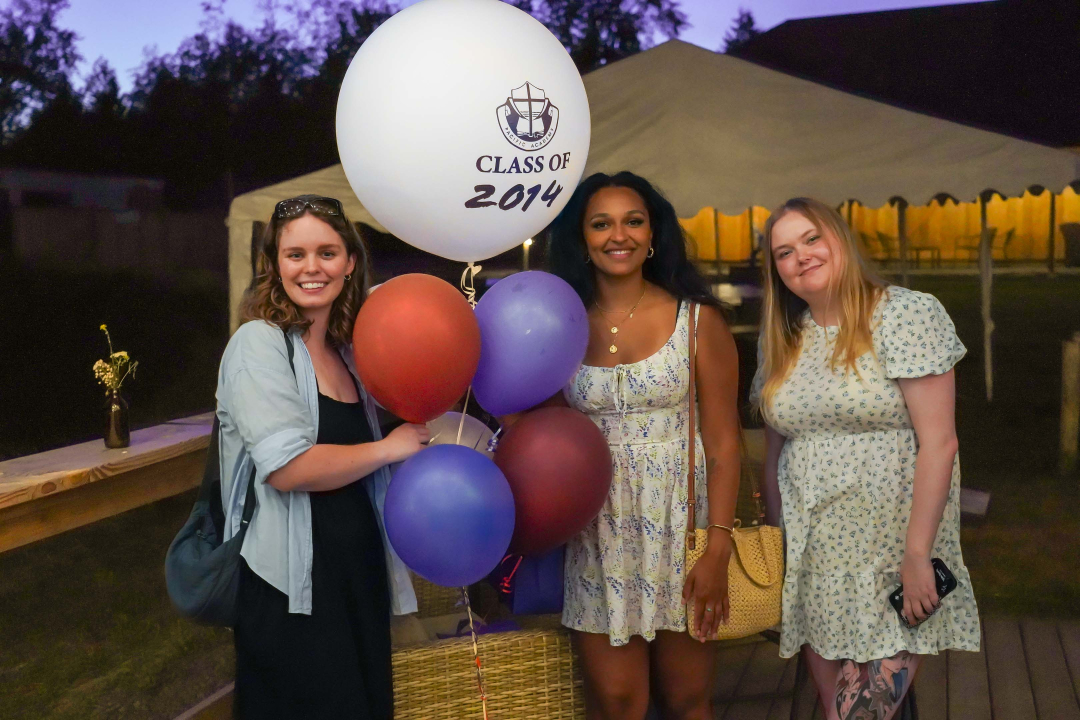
{"x":463,"y":127}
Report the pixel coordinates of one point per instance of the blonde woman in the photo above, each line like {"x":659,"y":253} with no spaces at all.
{"x":856,"y":385}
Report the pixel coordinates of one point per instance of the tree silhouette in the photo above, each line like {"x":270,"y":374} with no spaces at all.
{"x":598,"y":32}
{"x":742,"y":31}
{"x":233,"y":108}
{"x":36,"y":59}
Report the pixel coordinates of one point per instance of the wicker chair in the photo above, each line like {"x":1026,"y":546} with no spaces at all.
{"x":529,"y":674}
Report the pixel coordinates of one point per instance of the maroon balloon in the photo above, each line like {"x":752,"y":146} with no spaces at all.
{"x":559,"y":468}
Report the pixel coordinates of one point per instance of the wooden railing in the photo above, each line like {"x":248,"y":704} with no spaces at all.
{"x":51,"y":492}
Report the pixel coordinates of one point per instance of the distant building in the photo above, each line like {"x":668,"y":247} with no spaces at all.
{"x":73,"y":222}
{"x":24,"y":188}
{"x":1011,"y":66}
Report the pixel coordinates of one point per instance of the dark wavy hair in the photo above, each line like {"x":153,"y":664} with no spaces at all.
{"x":266,"y":299}
{"x":669,"y":267}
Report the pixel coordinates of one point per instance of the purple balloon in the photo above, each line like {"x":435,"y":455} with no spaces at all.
{"x":533,"y":335}
{"x":449,"y":514}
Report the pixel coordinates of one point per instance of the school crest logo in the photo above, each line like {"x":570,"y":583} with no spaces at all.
{"x":528,"y":119}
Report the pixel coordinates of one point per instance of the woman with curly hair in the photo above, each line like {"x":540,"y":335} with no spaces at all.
{"x":318,"y":581}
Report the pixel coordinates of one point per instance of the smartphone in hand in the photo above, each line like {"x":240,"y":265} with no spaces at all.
{"x":943,"y":579}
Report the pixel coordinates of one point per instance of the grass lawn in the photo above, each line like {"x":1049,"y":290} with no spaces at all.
{"x":88,"y":631}
{"x":1025,"y":556}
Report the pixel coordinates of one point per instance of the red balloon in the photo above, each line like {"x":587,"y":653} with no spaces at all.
{"x":559,"y":468}
{"x":417,"y":345}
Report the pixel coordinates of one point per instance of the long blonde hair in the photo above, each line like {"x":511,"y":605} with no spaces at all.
{"x":857,"y":287}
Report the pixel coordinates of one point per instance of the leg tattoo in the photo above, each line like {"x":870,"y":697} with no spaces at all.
{"x":873,"y":690}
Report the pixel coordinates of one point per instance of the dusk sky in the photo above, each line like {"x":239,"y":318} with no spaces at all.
{"x":120,"y":29}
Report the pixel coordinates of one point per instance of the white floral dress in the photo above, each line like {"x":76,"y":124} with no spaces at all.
{"x":846,"y":475}
{"x":624,"y":572}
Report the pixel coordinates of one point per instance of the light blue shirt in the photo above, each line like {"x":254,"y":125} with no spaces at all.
{"x":268,"y":417}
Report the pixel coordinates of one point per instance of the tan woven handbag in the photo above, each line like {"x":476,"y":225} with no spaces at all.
{"x":756,"y":570}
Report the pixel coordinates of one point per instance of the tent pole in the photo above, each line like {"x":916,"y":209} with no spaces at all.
{"x":986,"y":275}
{"x":901,"y":234}
{"x":716,"y":240}
{"x":750,"y":231}
{"x":1053,"y":227}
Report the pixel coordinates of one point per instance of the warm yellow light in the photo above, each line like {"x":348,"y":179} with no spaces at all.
{"x":528,"y":243}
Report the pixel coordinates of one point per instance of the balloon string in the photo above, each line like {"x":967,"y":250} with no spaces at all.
{"x":506,"y":585}
{"x":464,"y":410}
{"x":476,"y":653}
{"x":468,"y":282}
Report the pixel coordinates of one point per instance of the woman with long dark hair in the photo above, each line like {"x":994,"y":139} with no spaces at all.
{"x":618,"y":242}
{"x":318,"y":581}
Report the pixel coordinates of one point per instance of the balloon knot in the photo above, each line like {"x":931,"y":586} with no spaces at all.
{"x":468,"y":282}
{"x":493,"y":443}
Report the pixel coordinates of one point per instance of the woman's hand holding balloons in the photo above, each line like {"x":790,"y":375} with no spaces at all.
{"x":404,"y":441}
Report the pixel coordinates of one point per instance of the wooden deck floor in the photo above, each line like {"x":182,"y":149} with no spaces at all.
{"x":1028,"y":670}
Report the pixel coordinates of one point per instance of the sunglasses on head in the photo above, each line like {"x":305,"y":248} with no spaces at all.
{"x":294,"y":207}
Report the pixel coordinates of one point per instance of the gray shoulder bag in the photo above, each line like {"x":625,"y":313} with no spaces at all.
{"x":202,"y":573}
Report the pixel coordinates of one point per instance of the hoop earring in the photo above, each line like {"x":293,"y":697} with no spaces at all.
{"x":652,"y":251}
{"x":348,"y":277}
{"x":587,"y":259}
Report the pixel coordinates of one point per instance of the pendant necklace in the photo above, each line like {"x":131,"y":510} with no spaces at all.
{"x":614,"y":329}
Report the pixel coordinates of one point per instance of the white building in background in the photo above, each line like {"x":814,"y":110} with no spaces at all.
{"x":45,"y":188}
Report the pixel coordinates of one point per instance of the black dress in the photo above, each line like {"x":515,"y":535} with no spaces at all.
{"x":334,"y":663}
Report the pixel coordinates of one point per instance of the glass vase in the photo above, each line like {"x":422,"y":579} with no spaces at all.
{"x":117,"y":434}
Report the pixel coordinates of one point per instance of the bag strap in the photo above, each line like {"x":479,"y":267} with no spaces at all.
{"x":755,"y":486}
{"x":691,"y":497}
{"x":212,"y":468}
{"x":249,"y":496}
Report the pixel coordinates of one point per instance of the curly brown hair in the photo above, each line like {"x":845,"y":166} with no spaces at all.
{"x":266,"y":299}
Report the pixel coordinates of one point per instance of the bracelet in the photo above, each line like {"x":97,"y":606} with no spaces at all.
{"x":731,"y":530}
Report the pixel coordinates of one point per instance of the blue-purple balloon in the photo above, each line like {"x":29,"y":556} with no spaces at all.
{"x":533,"y":335}
{"x":449,"y":515}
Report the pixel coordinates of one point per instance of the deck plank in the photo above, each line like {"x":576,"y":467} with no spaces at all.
{"x":781,"y":708}
{"x":969,"y":689}
{"x":1069,"y":633}
{"x":809,"y":706}
{"x":757,"y":689}
{"x":1010,"y":686}
{"x":731,"y":664}
{"x":932,"y":687}
{"x":1050,"y":681}
{"x":763,"y":676}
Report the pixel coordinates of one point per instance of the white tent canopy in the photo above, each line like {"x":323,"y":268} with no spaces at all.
{"x":712,"y":130}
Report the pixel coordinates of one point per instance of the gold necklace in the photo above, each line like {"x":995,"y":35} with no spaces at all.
{"x":615,"y":328}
